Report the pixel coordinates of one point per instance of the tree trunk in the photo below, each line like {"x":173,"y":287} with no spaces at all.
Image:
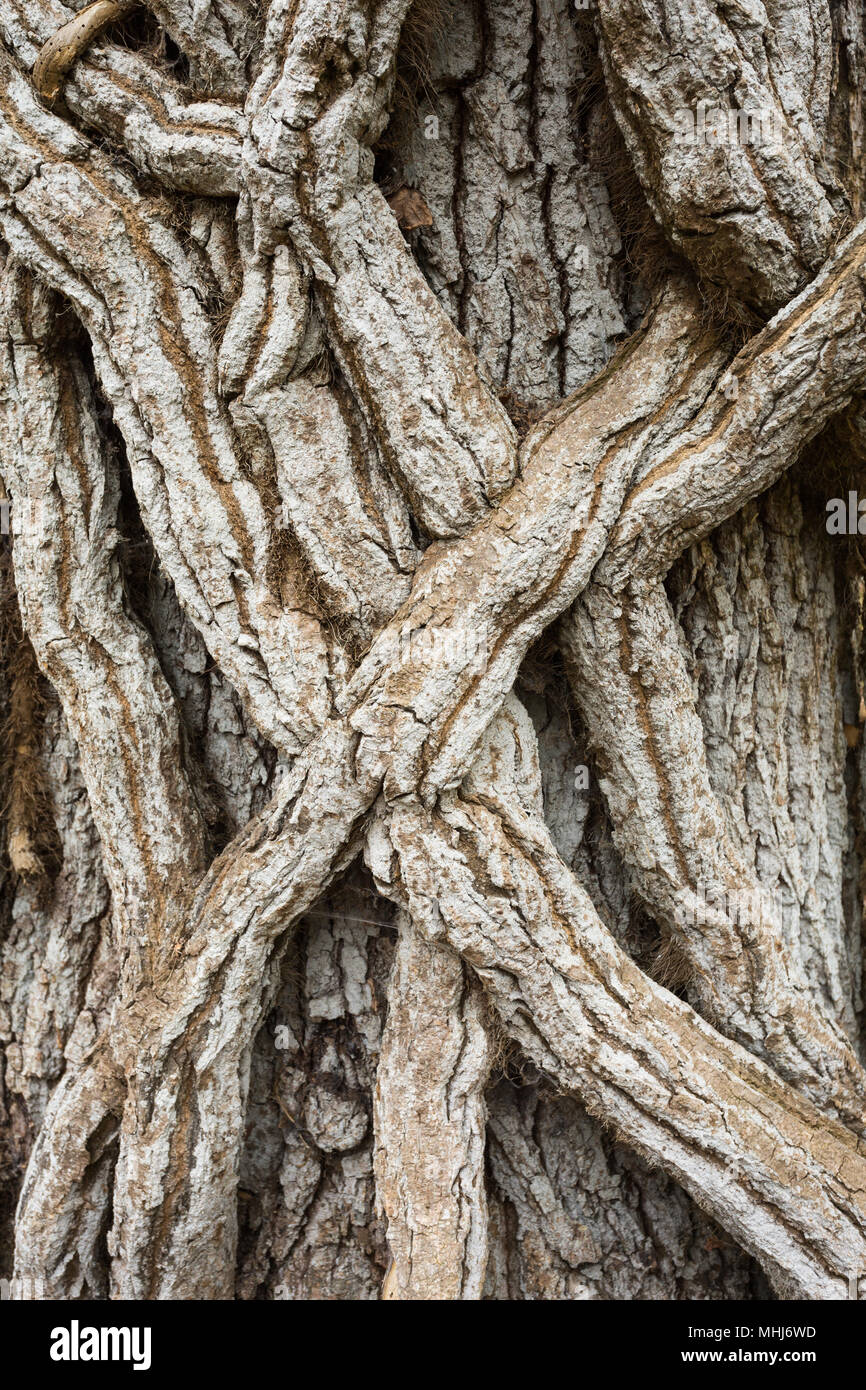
{"x":433,"y":684}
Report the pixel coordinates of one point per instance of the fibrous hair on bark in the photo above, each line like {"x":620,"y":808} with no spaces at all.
{"x":432,"y":700}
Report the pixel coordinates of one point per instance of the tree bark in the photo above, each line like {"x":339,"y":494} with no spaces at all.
{"x":433,"y":694}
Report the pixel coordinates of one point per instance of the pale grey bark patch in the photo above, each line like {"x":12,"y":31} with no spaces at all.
{"x":724,"y":115}
{"x":759,"y":604}
{"x":58,"y":959}
{"x":581,"y":1217}
{"x":522,"y":250}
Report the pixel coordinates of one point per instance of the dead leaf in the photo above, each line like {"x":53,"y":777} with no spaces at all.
{"x":410,"y":209}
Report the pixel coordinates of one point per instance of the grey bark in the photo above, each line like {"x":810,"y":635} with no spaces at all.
{"x":433,"y":865}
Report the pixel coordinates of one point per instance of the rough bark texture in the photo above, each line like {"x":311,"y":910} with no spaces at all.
{"x":433,"y":850}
